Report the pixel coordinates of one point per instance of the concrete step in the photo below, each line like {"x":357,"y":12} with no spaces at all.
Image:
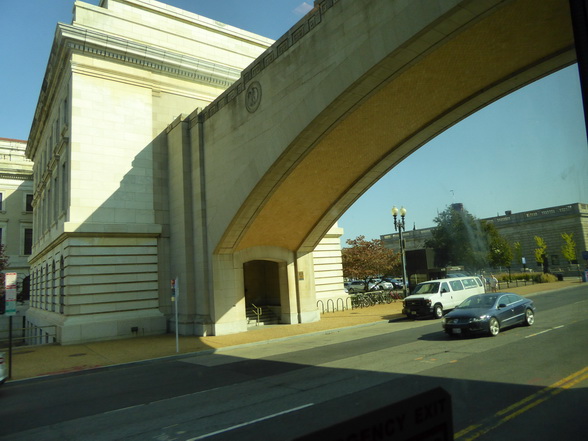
{"x":267,"y":317}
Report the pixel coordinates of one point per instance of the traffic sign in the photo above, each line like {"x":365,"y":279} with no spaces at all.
{"x":10,"y":293}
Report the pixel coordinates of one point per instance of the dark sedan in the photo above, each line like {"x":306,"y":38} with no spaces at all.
{"x":489,"y":313}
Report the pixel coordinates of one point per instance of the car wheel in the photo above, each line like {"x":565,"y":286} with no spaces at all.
{"x":493,"y":327}
{"x":529,"y":317}
{"x":438,"y":311}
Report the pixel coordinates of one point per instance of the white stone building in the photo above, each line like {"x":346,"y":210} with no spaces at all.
{"x":16,"y":209}
{"x":117,"y":77}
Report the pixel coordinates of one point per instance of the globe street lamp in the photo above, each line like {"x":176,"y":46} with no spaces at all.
{"x":400,"y":226}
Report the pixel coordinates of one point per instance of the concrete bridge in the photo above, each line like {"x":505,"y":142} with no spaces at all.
{"x":233,"y":197}
{"x":348,"y":93}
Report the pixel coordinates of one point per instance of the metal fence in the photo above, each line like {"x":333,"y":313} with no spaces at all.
{"x":28,"y":335}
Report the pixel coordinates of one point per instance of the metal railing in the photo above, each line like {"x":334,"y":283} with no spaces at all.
{"x":372,"y":298}
{"x":29,"y":336}
{"x":360,"y":300}
{"x":258,"y":313}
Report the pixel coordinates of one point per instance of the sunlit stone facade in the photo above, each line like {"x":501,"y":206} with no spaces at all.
{"x":115,"y":79}
{"x":16,"y":210}
{"x":107,"y":177}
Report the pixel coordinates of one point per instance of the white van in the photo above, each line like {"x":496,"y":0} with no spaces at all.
{"x":436,"y":296}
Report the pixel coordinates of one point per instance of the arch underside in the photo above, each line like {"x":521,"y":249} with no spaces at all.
{"x":518,"y":43}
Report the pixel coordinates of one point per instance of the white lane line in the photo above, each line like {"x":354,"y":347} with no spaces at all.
{"x":251,"y":422}
{"x":543,"y":332}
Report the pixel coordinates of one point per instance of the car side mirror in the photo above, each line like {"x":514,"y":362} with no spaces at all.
{"x":502,"y":305}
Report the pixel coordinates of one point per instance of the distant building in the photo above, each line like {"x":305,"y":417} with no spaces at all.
{"x":547,"y":223}
{"x":16,"y":207}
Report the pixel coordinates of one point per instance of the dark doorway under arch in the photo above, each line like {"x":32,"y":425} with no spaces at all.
{"x":262,"y":283}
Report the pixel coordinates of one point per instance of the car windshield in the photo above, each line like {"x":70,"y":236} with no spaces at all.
{"x":482,"y":301}
{"x":427,"y":288}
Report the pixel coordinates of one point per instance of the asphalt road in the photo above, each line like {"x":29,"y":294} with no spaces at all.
{"x":526,"y":383}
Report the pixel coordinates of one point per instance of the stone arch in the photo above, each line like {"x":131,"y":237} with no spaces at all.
{"x":348,"y":126}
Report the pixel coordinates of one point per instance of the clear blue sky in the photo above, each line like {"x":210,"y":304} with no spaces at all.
{"x":524,"y":152}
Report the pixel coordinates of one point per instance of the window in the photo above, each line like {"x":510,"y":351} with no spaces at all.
{"x":64,"y":194}
{"x":65,"y":114}
{"x":28,"y":241}
{"x":53,"y":286}
{"x":56,"y":196}
{"x":49,"y":207}
{"x":61,"y":285}
{"x":29,"y":203}
{"x":512,"y":298}
{"x":456,"y":285}
{"x":3,"y":230}
{"x":469,"y":283}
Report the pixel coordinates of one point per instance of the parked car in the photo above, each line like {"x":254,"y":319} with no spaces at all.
{"x":489,"y":313}
{"x":3,"y":368}
{"x":355,"y":286}
{"x":396,"y":283}
{"x":379,"y":284}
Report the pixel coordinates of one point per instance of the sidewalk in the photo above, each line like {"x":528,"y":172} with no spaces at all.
{"x":35,"y":361}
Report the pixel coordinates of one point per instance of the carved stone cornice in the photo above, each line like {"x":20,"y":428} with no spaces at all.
{"x":71,"y":38}
{"x":128,"y":51}
{"x":23,"y":175}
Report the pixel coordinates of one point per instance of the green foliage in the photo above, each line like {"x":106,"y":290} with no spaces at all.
{"x":535,"y":277}
{"x":3,"y":259}
{"x":544,"y":278}
{"x":365,"y":259}
{"x":499,"y":250}
{"x":505,"y":277}
{"x":540,"y":250}
{"x":517,"y":252}
{"x":568,"y":249}
{"x":460,"y":239}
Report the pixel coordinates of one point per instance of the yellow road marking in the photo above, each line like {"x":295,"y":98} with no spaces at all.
{"x":518,"y":408}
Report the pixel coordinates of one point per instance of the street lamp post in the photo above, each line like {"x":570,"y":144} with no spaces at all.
{"x":400,"y":226}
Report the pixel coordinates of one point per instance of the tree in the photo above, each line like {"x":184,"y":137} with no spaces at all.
{"x":517,"y":253}
{"x":540,"y":253}
{"x":3,"y":258}
{"x":365,"y":259}
{"x":499,"y":250}
{"x":568,"y":249}
{"x":458,"y":239}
